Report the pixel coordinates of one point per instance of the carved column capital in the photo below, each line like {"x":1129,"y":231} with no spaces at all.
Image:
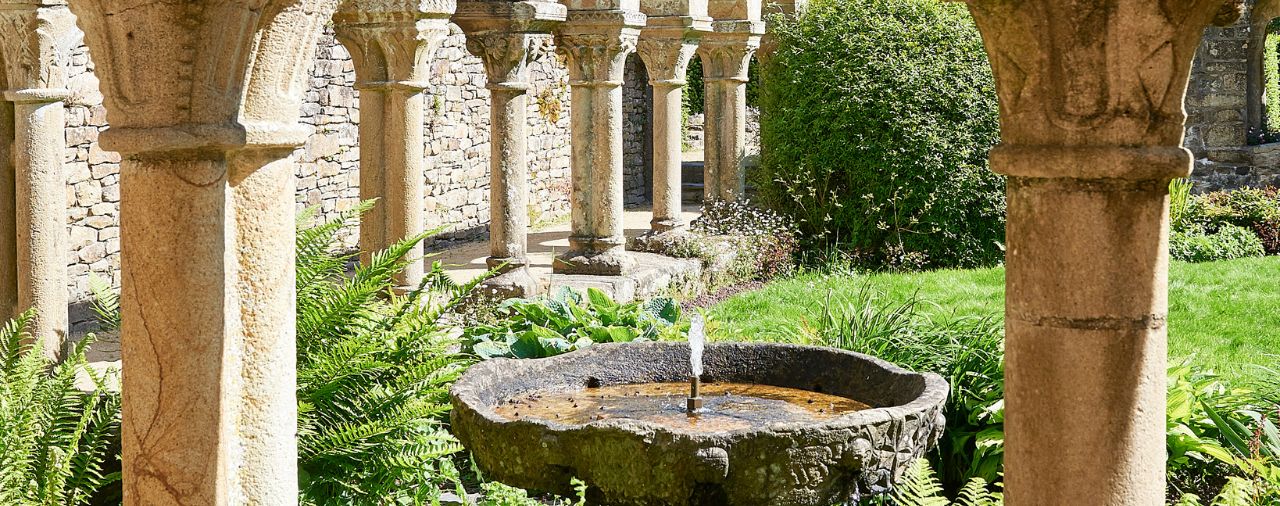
{"x":36,"y":43}
{"x":666,"y":58}
{"x":507,"y":55}
{"x":1110,"y":73}
{"x":727,"y":56}
{"x":596,"y":44}
{"x":202,"y":76}
{"x":392,"y":41}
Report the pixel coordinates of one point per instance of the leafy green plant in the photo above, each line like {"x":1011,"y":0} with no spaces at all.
{"x":549,"y":326}
{"x":919,"y":486}
{"x":1179,"y":201}
{"x":878,"y":116}
{"x":54,"y":438}
{"x":1197,"y":244}
{"x":374,"y":369}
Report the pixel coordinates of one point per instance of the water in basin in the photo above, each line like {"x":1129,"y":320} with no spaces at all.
{"x":728,"y":406}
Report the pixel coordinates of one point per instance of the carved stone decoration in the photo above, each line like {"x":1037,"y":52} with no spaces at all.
{"x":667,"y":59}
{"x":1091,"y":115}
{"x":36,"y":42}
{"x":507,"y":55}
{"x":1140,"y":53}
{"x":595,"y":44}
{"x":597,"y":57}
{"x":204,"y":98}
{"x":196,"y":69}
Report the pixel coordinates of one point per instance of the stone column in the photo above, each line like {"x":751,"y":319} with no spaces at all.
{"x":1091,"y":125}
{"x":726,"y":57}
{"x":41,"y":212}
{"x":391,"y":45}
{"x":596,"y":44}
{"x":8,"y":217}
{"x":204,"y":102}
{"x":666,"y":45}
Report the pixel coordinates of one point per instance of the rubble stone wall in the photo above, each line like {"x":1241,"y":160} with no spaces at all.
{"x":328,"y":173}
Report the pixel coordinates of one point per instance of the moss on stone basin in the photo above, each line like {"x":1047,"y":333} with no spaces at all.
{"x":817,"y":461}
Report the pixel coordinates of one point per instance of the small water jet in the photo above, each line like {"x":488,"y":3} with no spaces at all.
{"x":696,"y":341}
{"x":775,"y":425}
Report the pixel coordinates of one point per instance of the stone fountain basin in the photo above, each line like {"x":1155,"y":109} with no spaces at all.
{"x":629,"y":462}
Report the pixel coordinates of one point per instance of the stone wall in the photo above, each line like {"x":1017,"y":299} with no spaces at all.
{"x":1224,"y":110}
{"x":457,"y":151}
{"x":637,"y":161}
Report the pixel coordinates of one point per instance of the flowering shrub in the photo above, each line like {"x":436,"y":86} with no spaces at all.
{"x":764,"y":241}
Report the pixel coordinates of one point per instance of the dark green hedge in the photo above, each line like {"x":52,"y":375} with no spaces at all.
{"x":876,"y":119}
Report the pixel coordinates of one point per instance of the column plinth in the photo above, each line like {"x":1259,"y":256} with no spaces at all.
{"x":726,"y":57}
{"x":40,"y":199}
{"x":596,"y":44}
{"x":1091,"y":128}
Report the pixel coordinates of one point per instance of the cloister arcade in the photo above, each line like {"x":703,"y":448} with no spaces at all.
{"x":204,"y":96}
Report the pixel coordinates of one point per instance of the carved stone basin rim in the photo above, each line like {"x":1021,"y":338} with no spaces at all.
{"x":631,"y":462}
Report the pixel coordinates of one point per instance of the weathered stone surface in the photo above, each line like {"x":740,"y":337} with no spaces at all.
{"x":636,"y":463}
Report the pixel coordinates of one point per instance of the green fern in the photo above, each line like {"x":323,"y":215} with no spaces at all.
{"x":919,"y":486}
{"x":105,"y":303}
{"x":374,"y":368}
{"x":54,"y":439}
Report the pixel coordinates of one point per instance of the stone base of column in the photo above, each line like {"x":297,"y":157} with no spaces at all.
{"x":588,"y":256}
{"x":517,"y":282}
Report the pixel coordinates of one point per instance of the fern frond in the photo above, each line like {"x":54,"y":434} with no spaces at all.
{"x":919,"y":486}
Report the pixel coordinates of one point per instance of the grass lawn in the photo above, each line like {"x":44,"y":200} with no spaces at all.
{"x":1226,"y":314}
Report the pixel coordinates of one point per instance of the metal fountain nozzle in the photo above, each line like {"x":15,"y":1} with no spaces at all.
{"x":694,"y":403}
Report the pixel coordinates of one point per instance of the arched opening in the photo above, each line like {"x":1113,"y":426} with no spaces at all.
{"x":637,"y":132}
{"x":8,"y":209}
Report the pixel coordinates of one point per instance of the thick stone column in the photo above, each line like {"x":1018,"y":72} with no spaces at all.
{"x":596,"y":44}
{"x":391,"y":44}
{"x":726,"y":56}
{"x":8,"y":217}
{"x":41,"y":212}
{"x":34,"y":38}
{"x":666,"y":45}
{"x":1092,"y":124}
{"x":204,"y":103}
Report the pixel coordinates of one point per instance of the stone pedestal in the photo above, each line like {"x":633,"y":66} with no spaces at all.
{"x":204,"y":101}
{"x":596,"y":44}
{"x":391,"y":46}
{"x":726,"y":57}
{"x":666,"y":45}
{"x":1091,"y":124}
{"x":41,"y":213}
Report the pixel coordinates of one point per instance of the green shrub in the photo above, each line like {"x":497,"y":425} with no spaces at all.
{"x":1196,"y":244}
{"x":374,"y":369}
{"x":761,"y":243}
{"x":54,"y":439}
{"x":548,"y":326}
{"x":877,"y":116}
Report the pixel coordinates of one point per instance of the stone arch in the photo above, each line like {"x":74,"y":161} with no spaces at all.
{"x":1263,"y":13}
